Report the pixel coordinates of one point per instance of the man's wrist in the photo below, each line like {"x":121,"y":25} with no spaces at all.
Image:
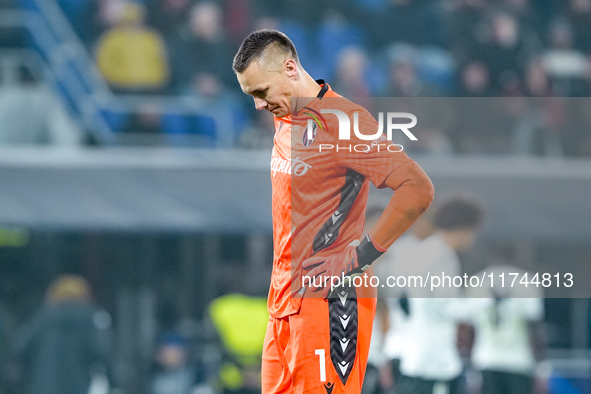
{"x":368,"y":252}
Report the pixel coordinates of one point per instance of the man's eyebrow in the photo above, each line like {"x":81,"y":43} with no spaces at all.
{"x":257,"y":91}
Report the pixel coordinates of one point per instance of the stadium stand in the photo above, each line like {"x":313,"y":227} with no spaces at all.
{"x":500,"y":45}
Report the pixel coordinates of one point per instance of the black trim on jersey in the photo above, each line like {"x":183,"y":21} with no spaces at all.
{"x":343,"y":318}
{"x":329,"y":232}
{"x":324,"y":88}
{"x":342,"y":304}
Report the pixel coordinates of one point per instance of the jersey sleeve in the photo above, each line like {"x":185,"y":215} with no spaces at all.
{"x":375,"y":159}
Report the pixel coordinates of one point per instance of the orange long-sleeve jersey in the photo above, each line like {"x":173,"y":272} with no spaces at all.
{"x":319,"y":192}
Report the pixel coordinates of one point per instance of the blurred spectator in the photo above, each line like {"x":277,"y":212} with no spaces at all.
{"x":212,"y":97}
{"x":131,"y":56}
{"x":266,"y":22}
{"x":403,"y":80}
{"x":146,"y":121}
{"x":396,"y":262}
{"x":201,"y":47}
{"x":217,"y":122}
{"x":504,"y":52}
{"x":508,"y":341}
{"x":174,"y":373}
{"x":240,"y":322}
{"x":579,"y":14}
{"x":474,"y":80}
{"x":299,"y":11}
{"x":335,"y":33}
{"x":565,"y":65}
{"x":378,"y":374}
{"x":66,"y":342}
{"x":99,"y":16}
{"x":350,"y":73}
{"x":167,"y":16}
{"x":537,"y":83}
{"x":369,"y":14}
{"x":541,"y":120}
{"x":465,"y":27}
{"x":527,"y":14}
{"x":239,"y":19}
{"x":436,"y":67}
{"x":417,"y":22}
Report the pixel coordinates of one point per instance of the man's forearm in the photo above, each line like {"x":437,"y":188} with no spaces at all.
{"x":413,"y":193}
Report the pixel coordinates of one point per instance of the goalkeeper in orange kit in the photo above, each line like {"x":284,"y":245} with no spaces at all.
{"x":316,"y":343}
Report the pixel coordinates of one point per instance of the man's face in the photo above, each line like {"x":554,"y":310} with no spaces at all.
{"x":270,"y":86}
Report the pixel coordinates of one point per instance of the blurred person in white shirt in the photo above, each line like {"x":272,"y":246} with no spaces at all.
{"x":430,"y":362}
{"x":507,"y":340}
{"x":390,"y":321}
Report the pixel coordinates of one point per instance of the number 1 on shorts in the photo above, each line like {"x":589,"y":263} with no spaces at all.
{"x":322,"y":361}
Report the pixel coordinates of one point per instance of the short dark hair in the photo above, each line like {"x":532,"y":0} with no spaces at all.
{"x":254,"y":45}
{"x":458,"y":213}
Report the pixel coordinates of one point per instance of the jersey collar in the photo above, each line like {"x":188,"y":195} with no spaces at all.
{"x":324,"y":89}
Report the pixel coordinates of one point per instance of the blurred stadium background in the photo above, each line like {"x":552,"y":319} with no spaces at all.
{"x":129,"y":155}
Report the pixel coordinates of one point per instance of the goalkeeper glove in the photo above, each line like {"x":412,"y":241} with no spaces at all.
{"x":347,"y":264}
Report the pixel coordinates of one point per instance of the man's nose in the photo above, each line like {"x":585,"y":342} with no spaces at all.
{"x":259,"y":103}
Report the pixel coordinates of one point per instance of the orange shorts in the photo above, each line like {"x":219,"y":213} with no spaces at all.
{"x":322,"y":349}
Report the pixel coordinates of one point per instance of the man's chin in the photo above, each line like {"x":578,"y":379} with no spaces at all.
{"x":279,"y":112}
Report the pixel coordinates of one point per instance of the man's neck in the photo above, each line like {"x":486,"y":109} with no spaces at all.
{"x":308,"y":91}
{"x":312,"y":86}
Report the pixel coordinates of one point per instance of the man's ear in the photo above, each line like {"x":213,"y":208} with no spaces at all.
{"x":291,"y":68}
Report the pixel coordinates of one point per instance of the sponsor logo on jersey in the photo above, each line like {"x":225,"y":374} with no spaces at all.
{"x":294,"y":166}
